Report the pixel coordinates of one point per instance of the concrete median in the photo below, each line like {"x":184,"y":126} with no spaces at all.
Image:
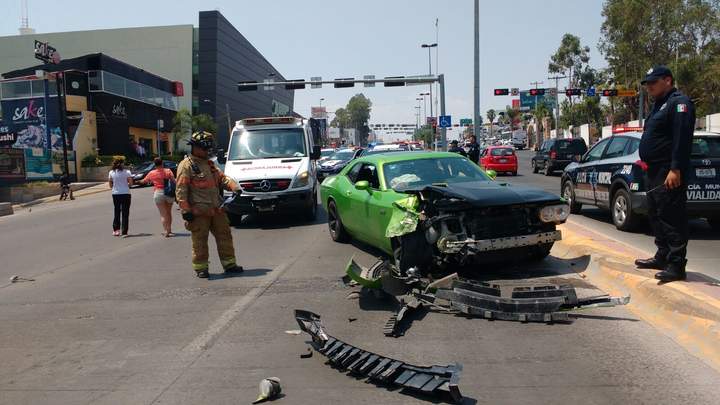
{"x":688,"y":312}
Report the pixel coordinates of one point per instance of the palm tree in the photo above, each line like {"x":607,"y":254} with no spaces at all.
{"x":490,"y":114}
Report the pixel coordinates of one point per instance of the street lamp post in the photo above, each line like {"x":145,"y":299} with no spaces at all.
{"x":321,"y":100}
{"x":429,"y":48}
{"x":227,"y":114}
{"x":425,"y":102}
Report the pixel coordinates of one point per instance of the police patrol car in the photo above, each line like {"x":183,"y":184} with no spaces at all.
{"x":612,"y":176}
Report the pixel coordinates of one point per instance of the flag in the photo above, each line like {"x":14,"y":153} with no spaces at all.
{"x":682,"y":108}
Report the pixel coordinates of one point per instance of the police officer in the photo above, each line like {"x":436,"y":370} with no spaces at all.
{"x":474,"y":150}
{"x":455,"y":148}
{"x":198,"y":194}
{"x":665,"y":147}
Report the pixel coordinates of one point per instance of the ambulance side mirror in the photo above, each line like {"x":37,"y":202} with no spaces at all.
{"x":315,"y":154}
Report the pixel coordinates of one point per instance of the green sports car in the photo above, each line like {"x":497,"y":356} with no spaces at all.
{"x":433,"y":209}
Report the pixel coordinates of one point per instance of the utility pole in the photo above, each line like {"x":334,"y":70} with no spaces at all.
{"x":538,"y":135}
{"x":227,"y":112}
{"x":557,"y":103}
{"x":429,"y":48}
{"x":476,"y":97}
{"x":641,"y":107}
{"x":437,"y":59}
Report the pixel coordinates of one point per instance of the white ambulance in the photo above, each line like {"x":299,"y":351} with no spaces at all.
{"x":273,"y":161}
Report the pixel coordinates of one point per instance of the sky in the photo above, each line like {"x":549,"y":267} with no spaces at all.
{"x":340,"y":38}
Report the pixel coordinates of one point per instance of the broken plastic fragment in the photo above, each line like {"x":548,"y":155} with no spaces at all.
{"x":369,"y":278}
{"x":269,"y":389}
{"x":404,"y":217}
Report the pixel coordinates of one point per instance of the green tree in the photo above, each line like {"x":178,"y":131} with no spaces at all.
{"x":341,"y":120}
{"x":569,"y":58}
{"x":490,"y":114}
{"x":513,"y":116}
{"x":358,"y":109}
{"x":204,"y":122}
{"x":182,"y":127}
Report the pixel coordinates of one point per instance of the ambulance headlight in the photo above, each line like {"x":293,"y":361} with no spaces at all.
{"x":555,"y":213}
{"x":302,"y":179}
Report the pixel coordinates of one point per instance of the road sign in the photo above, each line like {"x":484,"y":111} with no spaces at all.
{"x":418,"y":77}
{"x":445,"y":121}
{"x":432,"y":121}
{"x":627,"y":93}
{"x":552,"y":91}
{"x":514,"y":92}
{"x":369,"y":77}
{"x":268,"y":84}
{"x":315,"y":85}
{"x":464,"y":122}
{"x":590,"y":92}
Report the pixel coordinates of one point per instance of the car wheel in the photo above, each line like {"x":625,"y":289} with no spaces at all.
{"x":621,"y":211}
{"x":411,"y":250}
{"x":548,"y":171}
{"x":533,"y":164}
{"x":540,"y":252}
{"x":714,"y":223}
{"x":514,"y":173}
{"x":568,"y":193}
{"x":311,"y":211}
{"x":337,"y":230}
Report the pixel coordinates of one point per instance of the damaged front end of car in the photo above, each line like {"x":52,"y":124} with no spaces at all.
{"x":449,"y":225}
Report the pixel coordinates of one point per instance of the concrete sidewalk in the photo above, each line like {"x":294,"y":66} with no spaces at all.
{"x":687,"y":311}
{"x":79,"y":190}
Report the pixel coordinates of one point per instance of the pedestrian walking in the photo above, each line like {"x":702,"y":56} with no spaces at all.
{"x":65,"y":187}
{"x":120,"y":180}
{"x":199,"y":185}
{"x":163,"y":181}
{"x":455,"y":148}
{"x":665,"y":146}
{"x":473,"y":150}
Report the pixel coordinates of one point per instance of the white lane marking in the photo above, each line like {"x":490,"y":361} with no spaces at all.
{"x":206,"y":339}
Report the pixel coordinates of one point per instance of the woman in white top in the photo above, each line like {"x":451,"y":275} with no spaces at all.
{"x":120,"y":180}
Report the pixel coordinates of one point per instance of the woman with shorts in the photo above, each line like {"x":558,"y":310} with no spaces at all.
{"x":157,"y":177}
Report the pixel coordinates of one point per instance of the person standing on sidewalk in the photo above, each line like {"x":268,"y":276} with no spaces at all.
{"x":199,"y":185}
{"x":120,"y":180}
{"x":665,"y":147}
{"x":162,"y":181}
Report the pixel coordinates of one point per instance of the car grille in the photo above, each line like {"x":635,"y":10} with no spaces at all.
{"x":499,"y":222}
{"x":265,"y":185}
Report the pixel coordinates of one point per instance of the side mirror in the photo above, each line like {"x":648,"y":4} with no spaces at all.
{"x":362,"y":185}
{"x":315,"y":154}
{"x":491,"y":173}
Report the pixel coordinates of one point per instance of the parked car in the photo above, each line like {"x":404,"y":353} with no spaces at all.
{"x":335,"y":162}
{"x":555,"y":154}
{"x":611,"y":176}
{"x":430,"y":209}
{"x":140,"y":171}
{"x":501,"y":159}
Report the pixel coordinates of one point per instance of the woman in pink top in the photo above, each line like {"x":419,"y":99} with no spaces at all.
{"x":157,"y":178}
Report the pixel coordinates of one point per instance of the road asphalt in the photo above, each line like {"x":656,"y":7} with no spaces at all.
{"x":703,"y":248}
{"x":124,"y":321}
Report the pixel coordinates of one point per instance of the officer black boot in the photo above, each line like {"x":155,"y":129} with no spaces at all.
{"x":651,"y":263}
{"x":673,"y":272}
{"x":234,"y":269}
{"x":203,"y":274}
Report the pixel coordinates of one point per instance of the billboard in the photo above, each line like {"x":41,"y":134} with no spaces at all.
{"x":27,"y":117}
{"x":318,"y":112}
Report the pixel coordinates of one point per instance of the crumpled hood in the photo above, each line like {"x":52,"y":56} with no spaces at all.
{"x":482,"y":194}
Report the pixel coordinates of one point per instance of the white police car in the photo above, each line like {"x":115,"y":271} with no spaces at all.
{"x":612,"y":176}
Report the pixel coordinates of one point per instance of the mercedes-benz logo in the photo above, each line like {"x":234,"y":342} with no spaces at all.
{"x":265,"y":185}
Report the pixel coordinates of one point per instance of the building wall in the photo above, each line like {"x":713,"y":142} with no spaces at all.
{"x":226,"y":57}
{"x":165,"y":51}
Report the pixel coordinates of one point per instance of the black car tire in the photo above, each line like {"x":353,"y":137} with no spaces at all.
{"x":540,"y":252}
{"x":548,"y":170}
{"x":514,"y":173}
{"x":411,"y":250}
{"x":568,"y":193}
{"x":533,"y":164}
{"x":621,"y":211}
{"x":714,"y":223}
{"x":335,"y":225}
{"x":311,"y":210}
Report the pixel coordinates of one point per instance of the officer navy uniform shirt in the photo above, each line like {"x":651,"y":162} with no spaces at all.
{"x":667,"y":137}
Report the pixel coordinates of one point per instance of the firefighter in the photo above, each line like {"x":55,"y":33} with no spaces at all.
{"x":665,"y":147}
{"x":199,"y":188}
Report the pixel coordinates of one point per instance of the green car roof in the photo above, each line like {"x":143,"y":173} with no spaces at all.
{"x":390,"y":157}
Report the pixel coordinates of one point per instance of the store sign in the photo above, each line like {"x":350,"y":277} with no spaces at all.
{"x":46,"y":53}
{"x":28,"y":113}
{"x":12,"y":164}
{"x":7,"y":138}
{"x":26,"y":119}
{"x":119,"y":111}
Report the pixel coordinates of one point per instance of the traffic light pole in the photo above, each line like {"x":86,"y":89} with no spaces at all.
{"x":443,"y":130}
{"x":476,"y":98}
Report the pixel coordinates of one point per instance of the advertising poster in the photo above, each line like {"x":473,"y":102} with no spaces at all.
{"x":12,"y":164}
{"x":26,"y":118}
{"x":38,"y":164}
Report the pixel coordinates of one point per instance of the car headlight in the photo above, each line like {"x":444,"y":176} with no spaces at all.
{"x":301,"y":180}
{"x":555,"y":213}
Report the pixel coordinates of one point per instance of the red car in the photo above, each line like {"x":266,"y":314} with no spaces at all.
{"x":502,"y":159}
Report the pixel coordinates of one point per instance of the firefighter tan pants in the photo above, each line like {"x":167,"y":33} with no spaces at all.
{"x":200,"y":227}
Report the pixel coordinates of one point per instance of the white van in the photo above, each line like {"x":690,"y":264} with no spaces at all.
{"x":273,"y":161}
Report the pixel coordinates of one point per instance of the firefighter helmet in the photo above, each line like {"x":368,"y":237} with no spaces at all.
{"x":202,"y":139}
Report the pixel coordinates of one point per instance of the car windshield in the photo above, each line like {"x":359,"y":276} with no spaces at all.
{"x":326,"y":152}
{"x":267,"y":144}
{"x":501,"y":152}
{"x":342,"y":155}
{"x":707,"y":147}
{"x":419,"y":173}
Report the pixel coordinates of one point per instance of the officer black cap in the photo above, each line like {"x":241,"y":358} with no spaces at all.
{"x":656,"y":73}
{"x":453,"y":142}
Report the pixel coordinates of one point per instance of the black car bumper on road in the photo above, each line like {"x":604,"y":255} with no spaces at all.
{"x":292,"y":201}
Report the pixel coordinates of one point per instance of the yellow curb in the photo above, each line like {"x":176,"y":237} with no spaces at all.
{"x":688,"y":316}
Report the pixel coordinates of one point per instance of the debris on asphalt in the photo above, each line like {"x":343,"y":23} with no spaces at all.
{"x":307,"y":355}
{"x":352,"y":319}
{"x":293,"y":332}
{"x":17,"y":279}
{"x":428,"y":380}
{"x":353,"y":295}
{"x":269,"y":389}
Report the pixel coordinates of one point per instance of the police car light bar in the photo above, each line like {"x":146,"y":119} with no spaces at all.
{"x":269,"y":120}
{"x":620,"y":130}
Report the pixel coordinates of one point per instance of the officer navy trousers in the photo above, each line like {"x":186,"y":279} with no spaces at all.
{"x":668,"y":216}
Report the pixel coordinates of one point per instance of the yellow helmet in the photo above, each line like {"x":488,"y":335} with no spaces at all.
{"x":202,"y":139}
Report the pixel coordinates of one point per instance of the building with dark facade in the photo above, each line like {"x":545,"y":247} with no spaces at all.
{"x":225,"y":57}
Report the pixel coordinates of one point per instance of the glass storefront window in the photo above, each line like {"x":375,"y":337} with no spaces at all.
{"x":20,"y":89}
{"x":113,"y":83}
{"x":121,"y":86}
{"x":147,"y":94}
{"x":132,"y":89}
{"x":94,"y":80}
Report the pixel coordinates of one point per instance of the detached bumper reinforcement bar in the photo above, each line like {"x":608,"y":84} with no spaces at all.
{"x":486,"y":245}
{"x":379,"y":369}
